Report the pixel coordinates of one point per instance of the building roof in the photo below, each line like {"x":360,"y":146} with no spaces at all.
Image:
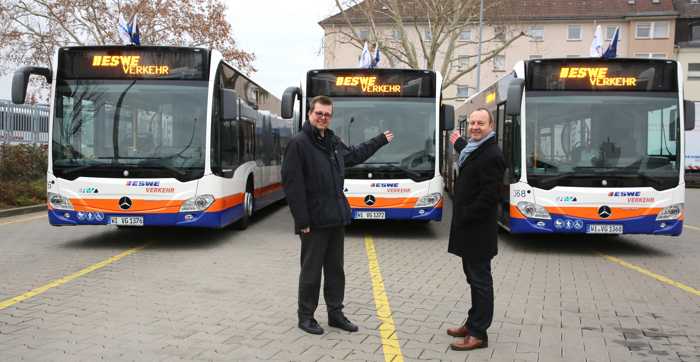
{"x":532,"y":10}
{"x":687,"y":10}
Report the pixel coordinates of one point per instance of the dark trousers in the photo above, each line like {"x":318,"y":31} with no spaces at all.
{"x":480,"y":282}
{"x":321,"y":249}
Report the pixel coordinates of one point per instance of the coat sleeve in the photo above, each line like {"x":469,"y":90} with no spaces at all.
{"x":490,"y":180}
{"x":293,"y":182}
{"x":460,"y":144}
{"x":353,"y":155}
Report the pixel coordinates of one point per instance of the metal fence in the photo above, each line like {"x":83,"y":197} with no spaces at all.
{"x":24,"y":123}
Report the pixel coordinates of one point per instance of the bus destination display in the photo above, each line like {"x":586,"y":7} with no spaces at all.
{"x":371,"y":83}
{"x":593,"y":74}
{"x":137,"y":63}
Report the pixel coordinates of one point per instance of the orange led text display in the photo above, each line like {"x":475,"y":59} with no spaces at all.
{"x":130,"y":65}
{"x":597,"y":76}
{"x":368,"y":84}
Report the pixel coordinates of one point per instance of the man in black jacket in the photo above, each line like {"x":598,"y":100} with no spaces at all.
{"x":474,"y":229}
{"x":312,"y":176}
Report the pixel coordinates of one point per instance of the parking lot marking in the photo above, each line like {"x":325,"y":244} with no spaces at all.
{"x":648,"y":273}
{"x":58,"y":282}
{"x":390,"y":341}
{"x":23,"y":220}
{"x":692,"y":227}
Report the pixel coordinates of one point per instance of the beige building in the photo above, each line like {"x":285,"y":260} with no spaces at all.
{"x":553,"y":28}
{"x":688,"y":47}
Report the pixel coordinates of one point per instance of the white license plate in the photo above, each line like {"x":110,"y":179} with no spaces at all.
{"x":375,"y":215}
{"x":126,"y":220}
{"x":604,"y":229}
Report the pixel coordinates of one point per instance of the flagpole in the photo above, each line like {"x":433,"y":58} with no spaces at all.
{"x":481,"y":33}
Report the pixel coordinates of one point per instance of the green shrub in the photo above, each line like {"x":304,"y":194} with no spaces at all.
{"x":22,"y":175}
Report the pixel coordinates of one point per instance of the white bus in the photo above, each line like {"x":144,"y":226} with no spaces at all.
{"x":402,"y":180}
{"x":591,"y":145}
{"x":157,"y":136}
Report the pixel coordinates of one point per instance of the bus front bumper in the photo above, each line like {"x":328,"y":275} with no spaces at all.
{"x":569,"y":225}
{"x":182,"y":219}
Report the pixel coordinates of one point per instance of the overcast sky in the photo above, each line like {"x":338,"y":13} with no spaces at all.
{"x":284,"y":35}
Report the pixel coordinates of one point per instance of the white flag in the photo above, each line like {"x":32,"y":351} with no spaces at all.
{"x":123,"y":30}
{"x":597,"y":45}
{"x":365,"y":57}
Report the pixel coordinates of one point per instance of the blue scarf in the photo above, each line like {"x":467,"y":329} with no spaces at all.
{"x":471,"y":146}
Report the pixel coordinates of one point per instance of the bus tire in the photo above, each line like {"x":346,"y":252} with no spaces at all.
{"x":248,"y":206}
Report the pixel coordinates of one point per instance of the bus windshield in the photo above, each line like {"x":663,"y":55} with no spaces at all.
{"x":412,"y":120}
{"x":149,"y":128}
{"x":599,"y":139}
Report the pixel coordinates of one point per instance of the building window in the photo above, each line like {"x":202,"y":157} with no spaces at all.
{"x":535,"y":56}
{"x":396,"y":35}
{"x":652,"y":30}
{"x":693,"y":70}
{"x":363,"y":34}
{"x":463,"y":62}
{"x":536,"y":32}
{"x":610,"y":31}
{"x":575,"y":32}
{"x":695,"y":33}
{"x":428,"y":36}
{"x":465,"y":35}
{"x":661,"y":29}
{"x":463,"y":91}
{"x":499,"y":33}
{"x":499,"y":62}
{"x":651,"y":55}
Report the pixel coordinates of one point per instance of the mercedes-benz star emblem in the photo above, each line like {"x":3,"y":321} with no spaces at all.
{"x":124,"y":203}
{"x":370,"y":200}
{"x":604,"y":211}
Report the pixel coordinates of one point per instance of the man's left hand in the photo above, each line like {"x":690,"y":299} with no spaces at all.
{"x":389,"y":135}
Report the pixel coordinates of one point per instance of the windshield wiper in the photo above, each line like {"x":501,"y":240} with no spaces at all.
{"x":391,"y":166}
{"x":88,"y":167}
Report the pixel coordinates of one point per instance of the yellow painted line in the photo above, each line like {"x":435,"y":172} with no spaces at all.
{"x":23,"y":220}
{"x":387,"y":330}
{"x":648,"y":273}
{"x":691,"y":227}
{"x":58,"y":282}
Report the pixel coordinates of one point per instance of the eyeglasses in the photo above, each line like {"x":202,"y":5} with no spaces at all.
{"x":324,"y":115}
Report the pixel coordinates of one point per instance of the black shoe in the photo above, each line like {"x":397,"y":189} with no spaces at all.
{"x":310,"y":326}
{"x":339,"y":321}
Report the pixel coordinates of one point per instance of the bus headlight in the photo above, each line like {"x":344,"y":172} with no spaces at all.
{"x":672,"y":212}
{"x":58,"y":201}
{"x":197,"y":203}
{"x":429,"y":200}
{"x":533,"y":211}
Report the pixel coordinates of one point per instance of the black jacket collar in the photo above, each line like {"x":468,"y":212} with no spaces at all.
{"x":327,"y":142}
{"x":482,"y":147}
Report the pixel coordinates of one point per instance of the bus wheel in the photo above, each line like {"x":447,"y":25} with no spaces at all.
{"x":248,"y":205}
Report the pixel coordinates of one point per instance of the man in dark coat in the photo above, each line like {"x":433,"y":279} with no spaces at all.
{"x":312,"y":176}
{"x":474,"y":230}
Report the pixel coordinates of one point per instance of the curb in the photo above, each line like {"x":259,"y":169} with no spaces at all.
{"x":22,"y":210}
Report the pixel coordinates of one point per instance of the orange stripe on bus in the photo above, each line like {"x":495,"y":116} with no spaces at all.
{"x":591,"y":213}
{"x":137,"y":205}
{"x":267,"y":189}
{"x":382,"y":202}
{"x":226,"y":202}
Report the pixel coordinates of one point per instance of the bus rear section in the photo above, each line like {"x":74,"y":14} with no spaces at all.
{"x":401,"y":181}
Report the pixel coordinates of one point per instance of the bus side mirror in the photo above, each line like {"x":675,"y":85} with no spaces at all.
{"x":447,"y":117}
{"x":229,"y":104}
{"x":21,"y":79}
{"x":288,"y":98}
{"x":515,"y":97}
{"x":689,"y":107}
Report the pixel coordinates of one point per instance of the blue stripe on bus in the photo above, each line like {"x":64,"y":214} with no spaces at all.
{"x":217,"y":219}
{"x":423,"y":213}
{"x":570,"y":225}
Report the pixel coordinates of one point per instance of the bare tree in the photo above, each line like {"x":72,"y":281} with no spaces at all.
{"x":425,"y":33}
{"x":31,"y":30}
